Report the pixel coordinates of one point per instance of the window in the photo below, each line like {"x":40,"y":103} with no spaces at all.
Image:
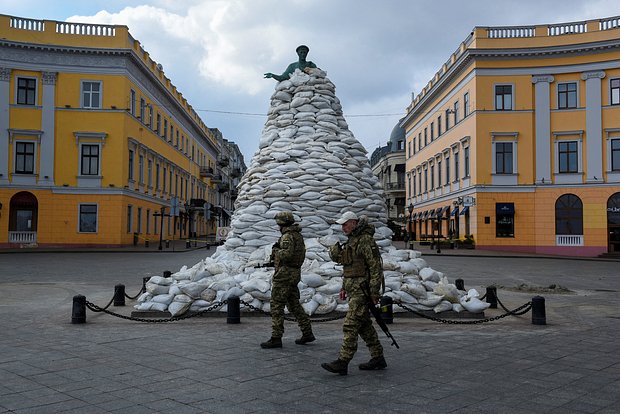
{"x":150,"y":116}
{"x":447,"y":119}
{"x":148,"y":221}
{"x":614,"y":85}
{"x":425,"y":136}
{"x":409,"y":147}
{"x":567,"y":157}
{"x":456,"y":112}
{"x":157,"y":176}
{"x":130,"y":164}
{"x":504,"y":220}
{"x":466,"y":161}
{"x":165,"y":129}
{"x":432,"y":177}
{"x":439,"y":125}
{"x":615,"y":154}
{"x":139,"y":220}
{"x":419,"y":141}
{"x":432,"y":131}
{"x":141,"y":169}
{"x":129,"y":219}
{"x":24,"y":158}
{"x":91,"y":94}
{"x":447,"y":170}
{"x":503,"y":158}
{"x":164,"y":181}
{"x":149,"y":172}
{"x":89,"y":159}
{"x":26,"y":91}
{"x":425,"y":180}
{"x":401,"y":147}
{"x":503,"y":97}
{"x":456,"y":166}
{"x":569,"y":215}
{"x":177,"y":140}
{"x":158,"y":125}
{"x":567,"y":95}
{"x":132,"y":102}
{"x":142,"y":109}
{"x":439,"y":173}
{"x":419,"y":182}
{"x":88,"y":218}
{"x":466,"y":104}
{"x":171,"y":132}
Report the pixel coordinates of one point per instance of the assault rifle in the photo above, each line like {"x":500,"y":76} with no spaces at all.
{"x":377,"y":315}
{"x":261,"y":265}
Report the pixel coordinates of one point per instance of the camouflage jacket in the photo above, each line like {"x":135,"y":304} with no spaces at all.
{"x":360,"y":257}
{"x":288,"y":254}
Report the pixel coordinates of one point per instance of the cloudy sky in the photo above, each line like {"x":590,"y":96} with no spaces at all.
{"x":377,"y":53}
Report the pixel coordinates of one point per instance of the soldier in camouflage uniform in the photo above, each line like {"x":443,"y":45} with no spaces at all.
{"x":287,"y":255}
{"x":362,"y":271}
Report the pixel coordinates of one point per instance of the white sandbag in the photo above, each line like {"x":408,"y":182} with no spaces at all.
{"x":408,"y":268}
{"x":178,"y":308}
{"x":457,"y":307}
{"x":473,"y":293}
{"x":255,"y":284}
{"x":200,"y":275}
{"x":151,"y":306}
{"x":156,"y":289}
{"x":208,"y":295}
{"x":417,"y":290}
{"x":182,"y":298}
{"x":234,"y":291}
{"x":145,"y":297}
{"x":429,"y":285}
{"x":389,"y":264}
{"x":473,"y":304}
{"x":194,"y":289}
{"x":310,"y":306}
{"x":443,"y":306}
{"x":419,"y":263}
{"x":175,"y":290}
{"x":448,"y":290}
{"x":330,"y":288}
{"x":429,"y":274}
{"x":392,"y":284}
{"x":159,"y":280}
{"x":327,"y":307}
{"x":312,"y":279}
{"x":431,"y":300}
{"x":200,"y":303}
{"x":165,"y":299}
{"x":223,"y":284}
{"x":405,"y":297}
{"x":262,"y":296}
{"x":342,"y":307}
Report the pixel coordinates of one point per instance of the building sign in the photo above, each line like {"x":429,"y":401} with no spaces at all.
{"x":469,"y":201}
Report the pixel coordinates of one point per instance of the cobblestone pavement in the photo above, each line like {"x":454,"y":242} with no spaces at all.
{"x":204,"y":365}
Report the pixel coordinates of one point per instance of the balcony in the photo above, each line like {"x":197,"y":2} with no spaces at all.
{"x":197,"y":202}
{"x":23,"y":237}
{"x":206,"y":172}
{"x":222,"y":161}
{"x":236,"y":172}
{"x":397,"y":186}
{"x":216,"y":178}
{"x":223,"y":187}
{"x":568,"y":240}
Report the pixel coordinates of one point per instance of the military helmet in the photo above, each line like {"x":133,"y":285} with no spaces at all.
{"x":285,"y":218}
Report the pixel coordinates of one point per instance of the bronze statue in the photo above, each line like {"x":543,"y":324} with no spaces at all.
{"x":302,"y":52}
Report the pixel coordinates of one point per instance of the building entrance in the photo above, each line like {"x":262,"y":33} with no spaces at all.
{"x":613,"y":223}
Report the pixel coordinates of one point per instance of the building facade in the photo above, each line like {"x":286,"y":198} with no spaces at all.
{"x":388,"y":165}
{"x":97,"y":146}
{"x":515,"y":142}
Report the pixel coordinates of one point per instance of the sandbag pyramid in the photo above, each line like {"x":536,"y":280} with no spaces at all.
{"x":309,"y":163}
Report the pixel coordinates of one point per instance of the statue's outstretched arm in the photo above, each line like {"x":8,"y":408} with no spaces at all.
{"x":284,"y":76}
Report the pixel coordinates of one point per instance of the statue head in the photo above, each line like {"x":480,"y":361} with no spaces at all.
{"x":302,"y":51}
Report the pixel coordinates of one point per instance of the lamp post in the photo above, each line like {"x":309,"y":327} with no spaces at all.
{"x":189,"y":222}
{"x":411,"y":233}
{"x":161,"y":214}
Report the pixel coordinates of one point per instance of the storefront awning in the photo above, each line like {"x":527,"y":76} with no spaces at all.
{"x":454,"y":212}
{"x":431,"y":214}
{"x":464,"y":211}
{"x":414,"y":216}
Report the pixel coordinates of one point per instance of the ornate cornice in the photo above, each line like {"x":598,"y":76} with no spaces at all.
{"x":542,"y":78}
{"x":596,"y":74}
{"x":49,"y":78}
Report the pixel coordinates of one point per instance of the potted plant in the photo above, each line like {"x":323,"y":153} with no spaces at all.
{"x":468,"y":242}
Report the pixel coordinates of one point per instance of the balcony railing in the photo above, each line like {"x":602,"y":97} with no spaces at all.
{"x":222,"y":161}
{"x":217,"y":178}
{"x":398,"y":186}
{"x":23,"y":237}
{"x":568,"y":240}
{"x":236,"y":172}
{"x":206,"y":172}
{"x":223,"y":187}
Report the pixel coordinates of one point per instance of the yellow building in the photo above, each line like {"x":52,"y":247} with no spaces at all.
{"x":515,"y":142}
{"x":96,"y":142}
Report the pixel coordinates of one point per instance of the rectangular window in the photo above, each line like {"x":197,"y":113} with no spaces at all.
{"x":163,"y":181}
{"x":24,"y":158}
{"x":409,"y":148}
{"x":141,"y":169}
{"x":466,"y":161}
{"x":129,"y":219}
{"x":142,"y":110}
{"x":91,"y":94}
{"x":447,"y":119}
{"x":90,"y":160}
{"x":149,"y":172}
{"x":157,"y":176}
{"x":139,"y":220}
{"x":171,"y":132}
{"x":425,"y":136}
{"x":432,"y":131}
{"x":420,"y":183}
{"x":158,"y":125}
{"x":148,"y":221}
{"x":412,"y":186}
{"x":165,"y":129}
{"x":456,"y":112}
{"x":447,"y":170}
{"x":456,"y":166}
{"x":466,"y":104}
{"x":177,"y":139}
{"x":26,"y":91}
{"x":567,"y":157}
{"x":419,"y":141}
{"x":504,"y":220}
{"x":615,"y":154}
{"x":567,"y":95}
{"x":438,"y":173}
{"x":503,"y":97}
{"x":150,"y":116}
{"x":439,"y":125}
{"x":131,"y":164}
{"x":88,"y":218}
{"x":614,"y":85}
{"x":132,"y":102}
{"x":503,"y":158}
{"x":432,"y":177}
{"x":425,"y":180}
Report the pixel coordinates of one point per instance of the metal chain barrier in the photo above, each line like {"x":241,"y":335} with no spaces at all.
{"x":524,"y":308}
{"x":136,"y":296}
{"x":214,"y":306}
{"x":288,"y":318}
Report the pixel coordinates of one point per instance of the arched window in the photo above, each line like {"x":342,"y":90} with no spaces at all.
{"x":568,"y":215}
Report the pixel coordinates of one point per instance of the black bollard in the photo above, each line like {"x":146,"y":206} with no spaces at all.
{"x":491,"y":296}
{"x":167,"y":244}
{"x":78,"y":314}
{"x":119,"y":295}
{"x":146,"y":243}
{"x":233,"y":310}
{"x":188,"y":244}
{"x":144,"y":280}
{"x":167,"y":273}
{"x":538,"y":311}
{"x":460,"y":284}
{"x":387,"y":313}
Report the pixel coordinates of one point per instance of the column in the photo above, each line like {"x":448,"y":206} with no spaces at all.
{"x":542,"y":118}
{"x":594,"y":128}
{"x":46,"y":164}
{"x":5,"y":81}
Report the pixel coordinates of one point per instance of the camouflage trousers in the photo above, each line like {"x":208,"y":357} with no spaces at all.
{"x":285,"y":293}
{"x":358,"y":322}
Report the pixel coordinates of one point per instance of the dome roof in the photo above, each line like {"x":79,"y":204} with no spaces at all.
{"x":398,"y":134}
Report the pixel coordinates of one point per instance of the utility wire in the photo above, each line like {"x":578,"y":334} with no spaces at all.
{"x":257,"y":114}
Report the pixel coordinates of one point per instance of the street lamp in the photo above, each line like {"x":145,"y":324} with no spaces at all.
{"x":189,"y":223}
{"x":410,"y":209}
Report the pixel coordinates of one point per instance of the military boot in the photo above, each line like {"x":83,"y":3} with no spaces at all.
{"x":374,"y":363}
{"x":272,"y":343}
{"x":305,"y":338}
{"x":337,"y":367}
